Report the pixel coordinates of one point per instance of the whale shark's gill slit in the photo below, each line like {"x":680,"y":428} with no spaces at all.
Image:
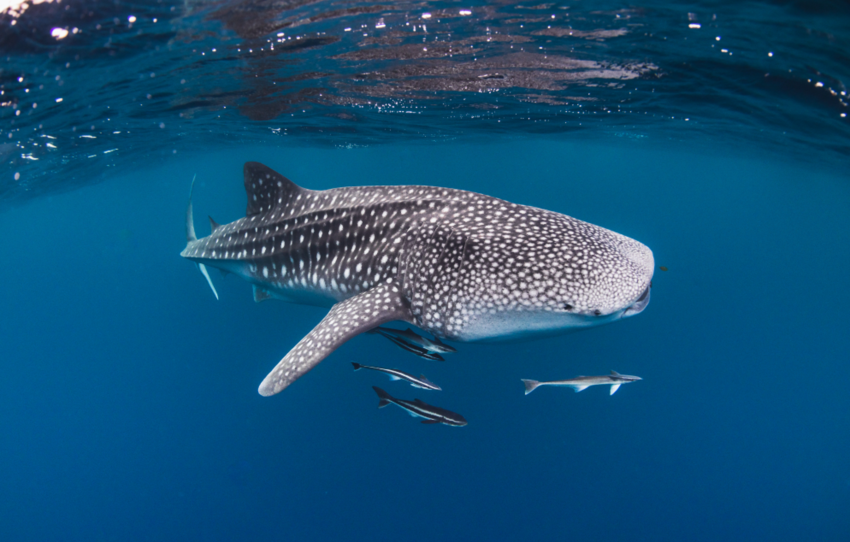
{"x":424,"y":256}
{"x":442,"y":253}
{"x":451,"y":302}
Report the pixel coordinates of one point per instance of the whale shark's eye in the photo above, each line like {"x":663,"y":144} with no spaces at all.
{"x":597,"y":312}
{"x":567,"y":307}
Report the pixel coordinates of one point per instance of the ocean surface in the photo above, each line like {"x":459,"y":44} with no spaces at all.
{"x":714,"y":132}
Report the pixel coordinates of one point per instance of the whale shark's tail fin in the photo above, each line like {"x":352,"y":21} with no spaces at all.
{"x":530,"y":385}
{"x":190,"y":235}
{"x":190,"y":223}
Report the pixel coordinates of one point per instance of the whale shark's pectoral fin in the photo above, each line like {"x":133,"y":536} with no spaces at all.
{"x":614,"y":389}
{"x":346,"y":319}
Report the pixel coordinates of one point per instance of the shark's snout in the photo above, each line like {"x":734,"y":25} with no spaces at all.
{"x":638,"y":306}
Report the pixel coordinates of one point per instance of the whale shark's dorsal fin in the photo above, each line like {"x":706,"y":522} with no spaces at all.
{"x":213,"y":224}
{"x":267,"y":189}
{"x":345,"y":320}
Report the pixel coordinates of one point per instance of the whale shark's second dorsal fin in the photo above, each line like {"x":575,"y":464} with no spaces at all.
{"x":268,"y":189}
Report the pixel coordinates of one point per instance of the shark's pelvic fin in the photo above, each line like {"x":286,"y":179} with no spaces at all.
{"x":346,"y":319}
{"x":614,"y":388}
{"x":260,"y":294}
{"x":580,"y":387}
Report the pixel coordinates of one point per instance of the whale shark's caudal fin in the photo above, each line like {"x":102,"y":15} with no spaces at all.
{"x":346,"y":319}
{"x":190,"y":224}
{"x":206,"y":275}
{"x":190,"y":235}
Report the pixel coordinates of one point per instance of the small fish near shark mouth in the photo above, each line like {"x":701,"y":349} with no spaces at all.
{"x":459,"y":265}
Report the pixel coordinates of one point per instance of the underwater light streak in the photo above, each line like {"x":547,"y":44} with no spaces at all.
{"x":16,"y":8}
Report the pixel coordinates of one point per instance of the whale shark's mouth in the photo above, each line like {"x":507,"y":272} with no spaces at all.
{"x":638,"y":306}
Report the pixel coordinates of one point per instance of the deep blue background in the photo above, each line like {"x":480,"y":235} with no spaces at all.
{"x":128,"y":403}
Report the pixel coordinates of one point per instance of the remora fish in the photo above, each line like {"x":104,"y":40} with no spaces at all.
{"x":420,"y":409}
{"x":411,"y":337}
{"x":459,"y":265}
{"x":395,"y":374}
{"x":615,"y":379}
{"x":404,"y":345}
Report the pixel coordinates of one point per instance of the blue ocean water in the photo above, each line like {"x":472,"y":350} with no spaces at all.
{"x":128,"y":402}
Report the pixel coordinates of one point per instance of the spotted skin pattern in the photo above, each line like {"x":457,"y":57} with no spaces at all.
{"x":461,"y":265}
{"x":346,"y":319}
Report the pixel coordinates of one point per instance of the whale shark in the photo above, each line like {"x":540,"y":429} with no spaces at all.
{"x":460,"y":265}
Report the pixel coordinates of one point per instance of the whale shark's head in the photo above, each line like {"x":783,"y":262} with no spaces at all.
{"x":557,"y":275}
{"x":620,"y":276}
